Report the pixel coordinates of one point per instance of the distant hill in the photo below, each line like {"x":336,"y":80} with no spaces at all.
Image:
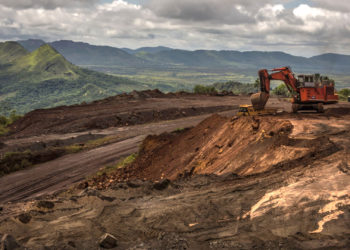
{"x":31,"y":44}
{"x":81,"y":53}
{"x":44,"y":78}
{"x":85,"y":54}
{"x":250,"y":61}
{"x":10,"y":51}
{"x":105,"y":58}
{"x":147,"y":50}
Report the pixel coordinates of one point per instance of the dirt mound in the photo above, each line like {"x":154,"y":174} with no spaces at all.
{"x":219,"y":145}
{"x":122,"y":110}
{"x":156,"y":93}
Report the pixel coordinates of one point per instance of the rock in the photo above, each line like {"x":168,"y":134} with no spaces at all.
{"x":7,"y":242}
{"x":108,"y":241}
{"x":161,"y":185}
{"x":1,"y":208}
{"x":24,"y":218}
{"x":45,"y":204}
{"x":71,"y":244}
{"x":83,"y":185}
{"x":133,"y":184}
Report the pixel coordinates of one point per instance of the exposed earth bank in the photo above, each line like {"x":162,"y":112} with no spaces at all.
{"x":118,"y":111}
{"x":279,"y":182}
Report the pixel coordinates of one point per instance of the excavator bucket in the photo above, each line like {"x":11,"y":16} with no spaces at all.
{"x":259,"y":100}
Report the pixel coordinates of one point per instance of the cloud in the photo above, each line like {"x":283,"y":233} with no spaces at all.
{"x":206,"y":24}
{"x":336,"y":5}
{"x":46,"y":4}
{"x":206,"y":10}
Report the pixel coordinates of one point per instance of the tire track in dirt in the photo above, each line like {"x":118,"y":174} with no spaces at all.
{"x":62,"y":172}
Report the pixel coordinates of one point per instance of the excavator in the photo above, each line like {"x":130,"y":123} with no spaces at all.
{"x":309,"y":92}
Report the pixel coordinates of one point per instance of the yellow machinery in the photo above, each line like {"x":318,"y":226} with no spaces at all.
{"x":248,"y":110}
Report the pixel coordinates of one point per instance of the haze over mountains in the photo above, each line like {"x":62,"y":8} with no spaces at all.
{"x":248,"y":62}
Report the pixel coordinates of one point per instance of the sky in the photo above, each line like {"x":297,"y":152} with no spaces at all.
{"x":298,"y":27}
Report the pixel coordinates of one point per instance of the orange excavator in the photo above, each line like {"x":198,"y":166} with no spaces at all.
{"x":309,"y":92}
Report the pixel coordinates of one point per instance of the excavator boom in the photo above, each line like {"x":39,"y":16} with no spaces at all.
{"x":308,"y":91}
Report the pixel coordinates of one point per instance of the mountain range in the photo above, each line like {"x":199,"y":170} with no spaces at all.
{"x":35,"y":74}
{"x":106,"y":58}
{"x":44,"y":78}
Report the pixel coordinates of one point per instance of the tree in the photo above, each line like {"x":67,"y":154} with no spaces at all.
{"x":343,"y":94}
{"x":281,"y":90}
{"x":257,"y":83}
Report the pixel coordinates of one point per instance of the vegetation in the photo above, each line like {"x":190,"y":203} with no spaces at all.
{"x":236,"y":87}
{"x":90,"y":144}
{"x":343,"y":94}
{"x":6,"y":121}
{"x":179,"y":130}
{"x":206,"y":90}
{"x":44,"y":78}
{"x":14,"y":161}
{"x":121,"y":164}
{"x":281,"y":90}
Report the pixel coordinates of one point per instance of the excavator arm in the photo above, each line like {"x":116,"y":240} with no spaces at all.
{"x":284,"y":74}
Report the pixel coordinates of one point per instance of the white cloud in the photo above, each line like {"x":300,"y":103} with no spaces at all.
{"x":336,"y":5}
{"x":206,"y":24}
{"x":46,"y":4}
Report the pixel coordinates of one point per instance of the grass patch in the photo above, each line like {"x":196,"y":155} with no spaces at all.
{"x":178,"y":130}
{"x":101,"y":141}
{"x":6,"y":121}
{"x":75,"y":148}
{"x":14,"y":161}
{"x":3,"y":130}
{"x":121,"y":164}
{"x":71,"y":149}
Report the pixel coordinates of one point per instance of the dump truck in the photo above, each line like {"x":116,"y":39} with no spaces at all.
{"x":309,"y":92}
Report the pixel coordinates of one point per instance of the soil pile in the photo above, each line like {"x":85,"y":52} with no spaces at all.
{"x":218,"y":145}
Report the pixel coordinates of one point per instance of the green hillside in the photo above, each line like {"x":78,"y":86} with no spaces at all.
{"x":174,"y":69}
{"x":44,"y":78}
{"x":10,"y":51}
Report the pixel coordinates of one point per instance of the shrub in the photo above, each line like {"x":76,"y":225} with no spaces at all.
{"x":121,"y":164}
{"x":207,"y":90}
{"x":6,"y":121}
{"x":343,"y":94}
{"x":281,"y":90}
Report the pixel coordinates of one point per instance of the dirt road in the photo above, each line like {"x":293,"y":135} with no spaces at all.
{"x":62,"y":172}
